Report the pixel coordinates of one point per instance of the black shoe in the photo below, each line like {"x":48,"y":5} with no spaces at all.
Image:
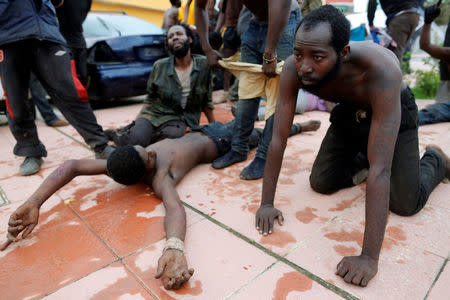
{"x":30,"y":165}
{"x":228,"y":159}
{"x":255,"y":170}
{"x":110,"y":134}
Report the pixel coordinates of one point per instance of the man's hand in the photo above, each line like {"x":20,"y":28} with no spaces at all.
{"x":269,"y":69}
{"x":357,"y":270}
{"x":212,"y":56}
{"x":25,"y":218}
{"x":173,"y":270}
{"x":265,"y":218}
{"x":431,"y":13}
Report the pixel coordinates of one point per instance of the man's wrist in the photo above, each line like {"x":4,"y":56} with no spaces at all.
{"x":269,"y":58}
{"x":174,"y":243}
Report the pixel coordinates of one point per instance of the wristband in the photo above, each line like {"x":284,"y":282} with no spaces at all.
{"x":271,"y":60}
{"x":174,"y":243}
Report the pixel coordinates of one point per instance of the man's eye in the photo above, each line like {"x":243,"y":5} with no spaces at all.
{"x":297,"y":56}
{"x":318,"y":58}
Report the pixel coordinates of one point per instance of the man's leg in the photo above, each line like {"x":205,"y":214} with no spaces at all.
{"x":401,"y":29}
{"x":436,"y":113}
{"x":170,"y":130}
{"x":79,"y":55}
{"x":140,"y":132}
{"x":52,"y":66}
{"x":38,"y":97}
{"x":15,"y":75}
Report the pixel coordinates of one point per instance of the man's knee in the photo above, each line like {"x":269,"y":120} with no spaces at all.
{"x":321,"y":184}
{"x":405,"y":206}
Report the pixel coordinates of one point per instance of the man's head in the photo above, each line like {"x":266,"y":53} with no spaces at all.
{"x":321,"y":41}
{"x":179,"y":39}
{"x":128,"y":164}
{"x":176,"y":3}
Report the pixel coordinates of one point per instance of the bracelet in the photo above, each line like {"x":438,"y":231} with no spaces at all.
{"x":268,"y":61}
{"x":174,"y":243}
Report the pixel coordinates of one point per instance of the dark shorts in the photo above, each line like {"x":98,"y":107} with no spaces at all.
{"x":231,"y":39}
{"x":219,"y":133}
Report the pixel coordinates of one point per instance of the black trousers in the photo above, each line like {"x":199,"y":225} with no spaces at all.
{"x":142,"y":132}
{"x":51,"y":64}
{"x":339,"y":158}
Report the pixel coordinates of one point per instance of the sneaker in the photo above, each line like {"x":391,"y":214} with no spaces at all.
{"x":105,"y":153}
{"x":228,"y":159}
{"x":59,"y":123}
{"x":360,"y":176}
{"x":255,"y":170}
{"x":31,"y":165}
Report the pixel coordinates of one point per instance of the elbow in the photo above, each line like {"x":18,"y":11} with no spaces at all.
{"x":70,"y":166}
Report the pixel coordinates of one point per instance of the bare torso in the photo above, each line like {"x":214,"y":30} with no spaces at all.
{"x":170,"y":17}
{"x":260,"y":8}
{"x":176,"y":157}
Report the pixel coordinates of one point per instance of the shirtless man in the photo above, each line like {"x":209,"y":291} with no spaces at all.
{"x":161,"y":166}
{"x":171,"y":14}
{"x":375,"y":123}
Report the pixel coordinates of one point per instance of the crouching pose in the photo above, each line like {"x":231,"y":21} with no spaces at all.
{"x":161,"y":166}
{"x":373,"y":132}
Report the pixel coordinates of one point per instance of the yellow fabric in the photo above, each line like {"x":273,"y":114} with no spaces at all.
{"x":191,"y":17}
{"x":252,"y":81}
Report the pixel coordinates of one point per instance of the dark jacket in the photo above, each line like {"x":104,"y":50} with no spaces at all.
{"x":390,"y":8}
{"x":28,"y":19}
{"x":164,"y":93}
{"x":71,"y":16}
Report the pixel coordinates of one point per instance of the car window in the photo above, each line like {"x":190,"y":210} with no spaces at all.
{"x":94,"y":26}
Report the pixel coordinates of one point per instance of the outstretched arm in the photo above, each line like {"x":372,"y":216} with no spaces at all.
{"x":386,"y":115}
{"x":371,"y":8}
{"x":202,"y":23}
{"x":186,"y":11}
{"x":284,"y":115}
{"x":172,"y":265}
{"x":26,"y":216}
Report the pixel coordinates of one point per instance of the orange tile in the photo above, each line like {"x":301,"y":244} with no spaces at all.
{"x":222,"y":264}
{"x":281,"y":282}
{"x":126,"y":217}
{"x":112,"y":282}
{"x":49,"y":259}
{"x":415,"y":268}
{"x":441,"y":289}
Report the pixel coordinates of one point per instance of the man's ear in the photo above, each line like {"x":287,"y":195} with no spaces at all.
{"x":345,"y":52}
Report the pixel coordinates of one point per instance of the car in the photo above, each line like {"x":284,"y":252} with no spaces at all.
{"x":121,"y":52}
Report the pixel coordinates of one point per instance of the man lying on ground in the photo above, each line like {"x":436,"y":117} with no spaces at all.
{"x":374,"y":124}
{"x":161,"y":166}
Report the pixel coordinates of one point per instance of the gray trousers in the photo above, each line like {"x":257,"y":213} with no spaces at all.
{"x":401,"y":29}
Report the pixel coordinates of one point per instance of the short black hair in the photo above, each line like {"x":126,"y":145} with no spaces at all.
{"x":340,"y":26}
{"x":173,"y":2}
{"x":125,"y":165}
{"x":187,"y":29}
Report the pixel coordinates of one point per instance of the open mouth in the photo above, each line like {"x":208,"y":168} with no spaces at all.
{"x":308,"y":81}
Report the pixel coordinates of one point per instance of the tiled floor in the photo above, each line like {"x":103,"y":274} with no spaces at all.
{"x":105,"y":242}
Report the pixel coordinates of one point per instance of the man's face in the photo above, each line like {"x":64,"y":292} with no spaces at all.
{"x":177,"y":41}
{"x":315,"y":58}
{"x":177,"y":4}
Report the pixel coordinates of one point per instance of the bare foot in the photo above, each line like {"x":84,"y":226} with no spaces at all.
{"x":443,"y":155}
{"x":311,"y":125}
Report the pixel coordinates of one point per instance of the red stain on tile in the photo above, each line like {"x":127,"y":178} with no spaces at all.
{"x":427,"y":132}
{"x":345,"y":251}
{"x":292,"y":281}
{"x":200,"y":204}
{"x":278,"y":238}
{"x":188,"y":196}
{"x":396,"y":233}
{"x":186,"y":289}
{"x":400,"y":261}
{"x":286,"y":181}
{"x":250,"y":207}
{"x":245,"y":268}
{"x":344,"y":236}
{"x":388,"y":243}
{"x":120,"y":287}
{"x":344,"y":204}
{"x":306,"y":215}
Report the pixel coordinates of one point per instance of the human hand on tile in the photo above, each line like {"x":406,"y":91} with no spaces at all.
{"x":265,"y":217}
{"x":24,"y":219}
{"x":173,"y":269}
{"x":357,"y":270}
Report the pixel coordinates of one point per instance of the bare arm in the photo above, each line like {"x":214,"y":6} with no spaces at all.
{"x":284,"y":115}
{"x":434,"y":51}
{"x":220,"y":22}
{"x":371,"y":8}
{"x":383,"y":133}
{"x":172,"y":265}
{"x":25,"y":218}
{"x":186,"y":11}
{"x":209,"y":113}
{"x":202,"y":23}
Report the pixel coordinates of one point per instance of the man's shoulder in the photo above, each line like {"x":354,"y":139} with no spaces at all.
{"x":200,"y":61}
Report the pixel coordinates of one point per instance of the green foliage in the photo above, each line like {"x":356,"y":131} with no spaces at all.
{"x":427,"y":82}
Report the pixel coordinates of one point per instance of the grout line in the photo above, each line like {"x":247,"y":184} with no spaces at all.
{"x":72,"y":138}
{"x":3,"y":198}
{"x":305,"y":272}
{"x":141,"y":282}
{"x":436,"y":278}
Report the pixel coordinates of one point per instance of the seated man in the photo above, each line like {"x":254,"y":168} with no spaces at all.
{"x":160,"y":166}
{"x":179,"y":89}
{"x":374,"y":124}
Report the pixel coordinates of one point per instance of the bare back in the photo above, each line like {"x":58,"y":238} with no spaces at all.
{"x":170,"y":17}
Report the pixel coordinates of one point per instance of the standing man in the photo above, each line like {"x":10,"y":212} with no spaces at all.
{"x":268,"y":39}
{"x":179,"y":90}
{"x":171,"y":14}
{"x":71,"y":15}
{"x":374,"y":124}
{"x":402,"y":19}
{"x":30,"y":41}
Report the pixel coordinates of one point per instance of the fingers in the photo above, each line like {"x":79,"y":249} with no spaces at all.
{"x":280,"y":219}
{"x":257,"y":222}
{"x":15,"y":230}
{"x":270,"y":225}
{"x":160,"y":269}
{"x":265,"y":226}
{"x":349,"y":276}
{"x":357,"y":279}
{"x":5,"y":245}
{"x":342,"y":269}
{"x":13,"y":221}
{"x":365,"y":281}
{"x":28,"y":230}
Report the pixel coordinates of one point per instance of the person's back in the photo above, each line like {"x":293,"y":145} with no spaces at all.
{"x":171,"y":15}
